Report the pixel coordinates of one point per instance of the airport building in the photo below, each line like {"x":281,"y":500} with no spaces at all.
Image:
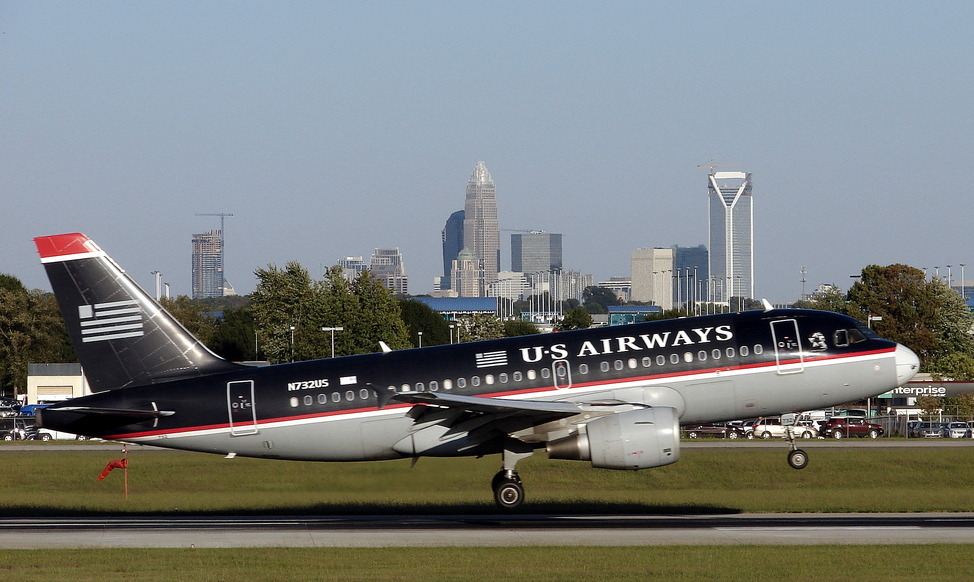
{"x":731,"y":235}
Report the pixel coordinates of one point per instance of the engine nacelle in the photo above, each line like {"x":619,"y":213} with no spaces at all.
{"x":636,"y":439}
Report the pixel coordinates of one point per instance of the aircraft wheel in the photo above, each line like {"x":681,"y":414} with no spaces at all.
{"x":798,"y":459}
{"x":508,"y":493}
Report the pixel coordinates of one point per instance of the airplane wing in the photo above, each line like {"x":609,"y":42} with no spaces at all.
{"x":486,"y":405}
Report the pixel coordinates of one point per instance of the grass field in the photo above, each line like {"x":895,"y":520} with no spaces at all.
{"x":936,"y":563}
{"x":44,"y":482}
{"x":704,"y":481}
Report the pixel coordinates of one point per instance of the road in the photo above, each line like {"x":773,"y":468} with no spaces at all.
{"x":523,"y":530}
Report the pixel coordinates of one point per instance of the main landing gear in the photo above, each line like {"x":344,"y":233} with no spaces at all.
{"x":508,"y":490}
{"x":797,"y":458}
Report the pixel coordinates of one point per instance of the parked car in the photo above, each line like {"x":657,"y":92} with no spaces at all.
{"x":927,"y":429}
{"x":766,"y":428}
{"x":9,"y":407}
{"x":716,"y":429}
{"x":956,"y":430}
{"x":846,"y":426}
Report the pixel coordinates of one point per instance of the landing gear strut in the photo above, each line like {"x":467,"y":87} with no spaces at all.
{"x":508,"y":491}
{"x":797,"y":458}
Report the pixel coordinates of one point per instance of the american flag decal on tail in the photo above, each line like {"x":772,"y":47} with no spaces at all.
{"x":491,"y":359}
{"x":108,"y":321}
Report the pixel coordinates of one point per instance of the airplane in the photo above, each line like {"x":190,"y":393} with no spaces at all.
{"x":613,"y":396}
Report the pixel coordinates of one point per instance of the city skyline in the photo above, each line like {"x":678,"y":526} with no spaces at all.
{"x":339,"y":128}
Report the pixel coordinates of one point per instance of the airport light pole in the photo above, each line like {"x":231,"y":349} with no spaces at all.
{"x":292,"y":343}
{"x":333,"y":330}
{"x":420,"y":338}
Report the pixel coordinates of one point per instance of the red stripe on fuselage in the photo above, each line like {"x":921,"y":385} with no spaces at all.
{"x":574,"y":386}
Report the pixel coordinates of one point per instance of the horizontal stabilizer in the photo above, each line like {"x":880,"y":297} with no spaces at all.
{"x":81,"y":419}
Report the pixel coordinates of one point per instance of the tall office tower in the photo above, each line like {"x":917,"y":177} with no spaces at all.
{"x":388,"y":268}
{"x":731,"y":235}
{"x":452,"y":236}
{"x":481,"y":232}
{"x":692,"y":265}
{"x":467,"y":274}
{"x":652,"y":275}
{"x":208,"y":264}
{"x":535,"y":251}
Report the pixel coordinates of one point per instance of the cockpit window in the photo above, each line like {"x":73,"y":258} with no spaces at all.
{"x":854,"y":335}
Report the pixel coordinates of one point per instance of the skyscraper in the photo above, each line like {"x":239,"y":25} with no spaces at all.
{"x":481,"y":232}
{"x":208,"y":264}
{"x":731,"y":235}
{"x":692,"y":264}
{"x":388,"y":268}
{"x":652,"y":276}
{"x":535,"y":251}
{"x":452,"y":245}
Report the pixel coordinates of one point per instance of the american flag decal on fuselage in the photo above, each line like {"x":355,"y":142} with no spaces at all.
{"x":108,"y":321}
{"x":491,"y":359}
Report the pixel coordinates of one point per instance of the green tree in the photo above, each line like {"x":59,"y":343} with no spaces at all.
{"x":577,"y":318}
{"x":419,"y":317}
{"x":516,"y":327}
{"x":479,"y":326}
{"x":378,"y":317}
{"x":235,"y":337}
{"x":830,"y":299}
{"x":598,"y":299}
{"x":281,"y":305}
{"x":31,"y":331}
{"x":925,"y":316}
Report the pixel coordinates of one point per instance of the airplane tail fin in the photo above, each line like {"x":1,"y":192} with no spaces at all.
{"x":122,"y":336}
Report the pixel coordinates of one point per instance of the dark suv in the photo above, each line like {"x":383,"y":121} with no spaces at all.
{"x":838,"y":428}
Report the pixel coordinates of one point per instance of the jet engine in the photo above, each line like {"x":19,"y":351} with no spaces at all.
{"x":635,"y":439}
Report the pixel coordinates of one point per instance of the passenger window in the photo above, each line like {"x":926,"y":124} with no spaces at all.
{"x":363,"y":393}
{"x":647,"y":362}
{"x":489,"y":378}
{"x":475,"y":381}
{"x":294,"y":402}
{"x":758,"y":349}
{"x":545,"y":373}
{"x":322,"y":399}
{"x":619,"y":365}
{"x":336,"y":397}
{"x":518,"y":376}
{"x":502,"y":377}
{"x":674,"y":358}
{"x":583,"y":368}
{"x":688,"y":357}
{"x":447,"y":384}
{"x":660,"y":360}
{"x":420,"y":387}
{"x":434,"y":386}
{"x":350,"y":395}
{"x":715,"y":354}
{"x":841,"y":338}
{"x":308,"y":400}
{"x":532,"y":375}
{"x":461,"y":382}
{"x":744,"y":351}
{"x":730,"y":352}
{"x":605,"y":366}
{"x":632,"y":363}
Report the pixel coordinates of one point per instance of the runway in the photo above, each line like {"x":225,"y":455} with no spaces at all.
{"x":486,"y":531}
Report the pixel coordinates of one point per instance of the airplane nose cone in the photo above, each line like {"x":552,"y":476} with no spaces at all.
{"x":907,"y":364}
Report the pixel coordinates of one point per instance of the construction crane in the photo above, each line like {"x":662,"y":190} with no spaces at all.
{"x":223,"y":246}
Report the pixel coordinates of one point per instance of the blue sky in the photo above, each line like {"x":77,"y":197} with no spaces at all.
{"x":330,"y":129}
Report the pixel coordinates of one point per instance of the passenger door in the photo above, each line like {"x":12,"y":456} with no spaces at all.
{"x":788,"y":353}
